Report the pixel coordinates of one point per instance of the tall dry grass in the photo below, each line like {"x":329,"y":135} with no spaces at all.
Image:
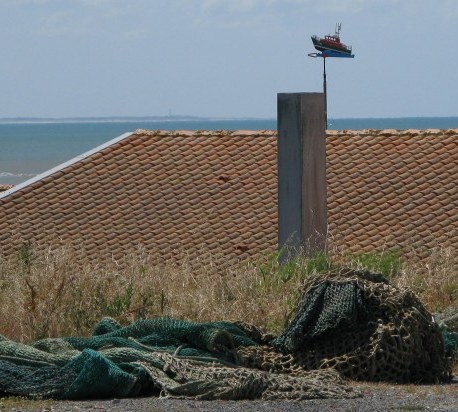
{"x":56,"y":293}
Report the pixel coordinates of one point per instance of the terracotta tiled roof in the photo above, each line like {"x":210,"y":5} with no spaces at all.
{"x":170,"y":191}
{"x":166,"y":191}
{"x":390,"y":189}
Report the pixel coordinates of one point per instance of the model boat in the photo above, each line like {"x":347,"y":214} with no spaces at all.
{"x":331,"y":42}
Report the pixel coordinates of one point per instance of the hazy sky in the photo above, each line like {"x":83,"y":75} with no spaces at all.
{"x":225,"y":58}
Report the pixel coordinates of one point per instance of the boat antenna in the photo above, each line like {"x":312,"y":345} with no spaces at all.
{"x":338,"y":27}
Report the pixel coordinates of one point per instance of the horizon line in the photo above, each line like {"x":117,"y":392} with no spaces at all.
{"x":200,"y":117}
{"x":170,"y":118}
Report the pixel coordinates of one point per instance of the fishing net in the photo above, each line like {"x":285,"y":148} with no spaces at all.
{"x":154,"y":356}
{"x":448,"y":322}
{"x":348,"y":324}
{"x":366,"y":329}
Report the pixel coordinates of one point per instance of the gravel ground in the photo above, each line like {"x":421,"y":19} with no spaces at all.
{"x":376,"y":397}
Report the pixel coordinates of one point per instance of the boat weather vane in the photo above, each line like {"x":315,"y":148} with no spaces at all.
{"x":330,"y":46}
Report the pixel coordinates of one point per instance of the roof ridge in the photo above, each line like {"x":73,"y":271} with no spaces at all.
{"x":214,"y":133}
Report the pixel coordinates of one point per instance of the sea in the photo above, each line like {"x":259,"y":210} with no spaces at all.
{"x":30,"y":147}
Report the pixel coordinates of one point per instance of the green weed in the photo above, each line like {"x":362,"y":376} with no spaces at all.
{"x":387,"y":263}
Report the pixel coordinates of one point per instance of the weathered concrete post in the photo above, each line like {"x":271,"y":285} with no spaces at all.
{"x":302,"y":202}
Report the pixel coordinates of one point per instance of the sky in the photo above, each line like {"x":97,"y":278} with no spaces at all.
{"x":224,"y":58}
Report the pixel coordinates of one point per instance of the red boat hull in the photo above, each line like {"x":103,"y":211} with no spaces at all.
{"x":325,"y":44}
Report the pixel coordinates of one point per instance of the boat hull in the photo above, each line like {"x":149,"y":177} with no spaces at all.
{"x":324,"y":46}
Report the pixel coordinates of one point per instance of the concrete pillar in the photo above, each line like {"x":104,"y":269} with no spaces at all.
{"x":302,"y":201}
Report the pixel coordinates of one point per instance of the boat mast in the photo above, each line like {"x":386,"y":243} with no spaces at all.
{"x":338,"y":27}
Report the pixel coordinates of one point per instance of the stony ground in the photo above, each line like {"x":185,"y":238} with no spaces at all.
{"x":376,"y":397}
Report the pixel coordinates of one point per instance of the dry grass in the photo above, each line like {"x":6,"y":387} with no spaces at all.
{"x":23,"y":404}
{"x":56,"y":293}
{"x":435,"y":281}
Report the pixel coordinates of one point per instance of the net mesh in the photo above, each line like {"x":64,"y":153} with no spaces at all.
{"x":357,"y":323}
{"x":448,"y":322}
{"x":348,"y":324}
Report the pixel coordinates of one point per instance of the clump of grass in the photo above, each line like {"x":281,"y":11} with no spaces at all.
{"x":14,"y":403}
{"x":434,"y":280}
{"x":387,"y":263}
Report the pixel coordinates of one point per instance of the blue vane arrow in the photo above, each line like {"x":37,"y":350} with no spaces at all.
{"x":332,"y":53}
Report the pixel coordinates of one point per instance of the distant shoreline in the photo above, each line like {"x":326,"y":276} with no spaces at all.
{"x":122,"y":119}
{"x":441,"y":122}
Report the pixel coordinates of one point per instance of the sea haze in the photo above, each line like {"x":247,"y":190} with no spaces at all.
{"x":30,"y":146}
